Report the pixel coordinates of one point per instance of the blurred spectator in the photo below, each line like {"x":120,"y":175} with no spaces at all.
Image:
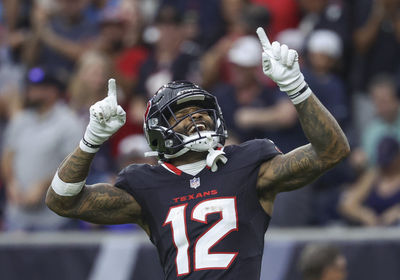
{"x":111,"y":31}
{"x":322,"y":262}
{"x":385,"y":98}
{"x":376,"y":39}
{"x":326,"y":14}
{"x":241,"y":19}
{"x":94,"y":9}
{"x":324,"y":51}
{"x":88,"y":85}
{"x":35,"y":143}
{"x":88,"y":82}
{"x":60,"y":36}
{"x":120,"y":53}
{"x":323,"y":54}
{"x":377,"y":51}
{"x":203,"y":19}
{"x":16,"y":14}
{"x":10,"y":97}
{"x":334,"y":15}
{"x":132,"y":150}
{"x":170,"y":59}
{"x":11,"y":77}
{"x":285,"y":14}
{"x":134,"y":52}
{"x":375,"y":198}
{"x":239,"y":98}
{"x":293,"y":38}
{"x":134,"y":108}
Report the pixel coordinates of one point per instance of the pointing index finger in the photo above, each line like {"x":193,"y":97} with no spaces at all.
{"x":263,"y":39}
{"x":112,"y":88}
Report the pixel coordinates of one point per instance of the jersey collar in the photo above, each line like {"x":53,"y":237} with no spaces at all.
{"x":171,"y":168}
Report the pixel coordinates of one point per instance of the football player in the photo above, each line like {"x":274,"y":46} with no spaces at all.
{"x":205,"y":207}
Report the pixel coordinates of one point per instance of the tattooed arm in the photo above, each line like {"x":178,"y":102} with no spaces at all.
{"x":328,"y":146}
{"x":99,"y":203}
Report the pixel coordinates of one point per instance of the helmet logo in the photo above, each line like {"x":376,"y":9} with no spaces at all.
{"x":153,"y":122}
{"x":169,"y":143}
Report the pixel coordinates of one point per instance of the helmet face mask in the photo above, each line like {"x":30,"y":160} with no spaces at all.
{"x":169,"y":99}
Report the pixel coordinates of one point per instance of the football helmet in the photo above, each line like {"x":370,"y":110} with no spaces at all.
{"x":171,"y":98}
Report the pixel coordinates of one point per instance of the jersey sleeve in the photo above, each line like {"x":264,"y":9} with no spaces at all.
{"x":131,"y":179}
{"x":122,"y":181}
{"x":252,"y":153}
{"x":267,"y":149}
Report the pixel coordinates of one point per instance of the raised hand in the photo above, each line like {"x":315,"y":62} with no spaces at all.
{"x":106,"y":117}
{"x":281,"y":64}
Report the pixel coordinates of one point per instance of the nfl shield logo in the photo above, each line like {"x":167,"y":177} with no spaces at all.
{"x":195,"y":183}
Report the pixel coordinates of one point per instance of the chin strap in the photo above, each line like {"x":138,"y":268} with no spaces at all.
{"x":213,"y":157}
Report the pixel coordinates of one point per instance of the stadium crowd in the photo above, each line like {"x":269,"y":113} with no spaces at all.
{"x":57,"y":55}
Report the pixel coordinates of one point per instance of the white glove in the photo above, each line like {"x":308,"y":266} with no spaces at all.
{"x":106,"y":117}
{"x":281,"y":64}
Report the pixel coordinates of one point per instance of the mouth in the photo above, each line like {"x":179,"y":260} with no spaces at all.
{"x":196,"y":127}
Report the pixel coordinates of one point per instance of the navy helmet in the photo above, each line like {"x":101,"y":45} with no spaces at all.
{"x":169,"y":99}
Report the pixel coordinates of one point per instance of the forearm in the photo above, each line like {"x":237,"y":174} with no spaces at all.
{"x":75,"y":167}
{"x":31,"y":49}
{"x":279,"y":116}
{"x":7,"y":171}
{"x":11,"y":8}
{"x":360,"y":214}
{"x":68,"y":48}
{"x":323,"y":131}
{"x":366,"y":35}
{"x":209,"y":67}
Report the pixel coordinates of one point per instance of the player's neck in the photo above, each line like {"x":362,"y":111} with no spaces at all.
{"x":188,"y":158}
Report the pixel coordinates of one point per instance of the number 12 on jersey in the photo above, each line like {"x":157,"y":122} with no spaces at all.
{"x":202,"y":258}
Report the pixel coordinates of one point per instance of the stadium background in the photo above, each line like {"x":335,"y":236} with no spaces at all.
{"x":74,"y":46}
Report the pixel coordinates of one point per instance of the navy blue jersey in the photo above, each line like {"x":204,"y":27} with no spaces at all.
{"x":208,"y":226}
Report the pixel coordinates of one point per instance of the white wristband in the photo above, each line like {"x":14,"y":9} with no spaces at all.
{"x":66,"y":189}
{"x":88,"y":148}
{"x":300,"y":95}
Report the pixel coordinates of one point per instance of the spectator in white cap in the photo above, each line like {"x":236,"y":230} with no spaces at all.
{"x":323,"y":54}
{"x":245,"y":52}
{"x":324,"y":50}
{"x":294,"y":38}
{"x":246,"y":96}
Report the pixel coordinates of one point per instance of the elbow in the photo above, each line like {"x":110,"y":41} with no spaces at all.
{"x":49,"y":200}
{"x":344,"y":150}
{"x":341,"y":150}
{"x":55,"y":203}
{"x":336,"y":155}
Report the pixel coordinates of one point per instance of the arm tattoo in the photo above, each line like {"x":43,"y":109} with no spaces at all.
{"x":99,"y":203}
{"x":322,"y":130}
{"x":304,"y":164}
{"x":75,"y":167}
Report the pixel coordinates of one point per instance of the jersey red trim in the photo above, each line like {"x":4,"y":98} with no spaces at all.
{"x":172,"y":168}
